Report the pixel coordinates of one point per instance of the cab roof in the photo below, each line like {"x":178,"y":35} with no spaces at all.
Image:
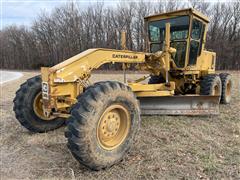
{"x":189,"y":11}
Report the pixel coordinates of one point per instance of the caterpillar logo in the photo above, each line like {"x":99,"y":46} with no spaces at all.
{"x":124,"y":56}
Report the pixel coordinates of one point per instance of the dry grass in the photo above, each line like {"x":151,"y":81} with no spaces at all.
{"x":168,"y":147}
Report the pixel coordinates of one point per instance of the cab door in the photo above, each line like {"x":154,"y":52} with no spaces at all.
{"x":197,"y":33}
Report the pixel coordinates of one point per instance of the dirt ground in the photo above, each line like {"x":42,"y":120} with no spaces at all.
{"x":168,"y":147}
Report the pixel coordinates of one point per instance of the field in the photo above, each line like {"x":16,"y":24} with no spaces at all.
{"x":167,"y":147}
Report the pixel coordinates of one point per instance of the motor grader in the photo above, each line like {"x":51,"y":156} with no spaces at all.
{"x":103,"y":118}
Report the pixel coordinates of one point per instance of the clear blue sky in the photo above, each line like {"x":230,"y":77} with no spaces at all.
{"x":20,"y":12}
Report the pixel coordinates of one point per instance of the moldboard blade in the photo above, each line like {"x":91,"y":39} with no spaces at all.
{"x":180,"y":105}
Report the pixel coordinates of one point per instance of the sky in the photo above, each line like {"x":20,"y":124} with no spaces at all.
{"x":23,"y":12}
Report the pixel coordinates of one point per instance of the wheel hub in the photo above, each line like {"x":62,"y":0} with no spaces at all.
{"x":38,"y":107}
{"x":216,"y":91}
{"x":110,"y":125}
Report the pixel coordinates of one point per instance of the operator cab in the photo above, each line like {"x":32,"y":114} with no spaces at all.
{"x":188,"y":34}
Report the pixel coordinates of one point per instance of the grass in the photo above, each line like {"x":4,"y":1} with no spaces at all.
{"x":167,"y":147}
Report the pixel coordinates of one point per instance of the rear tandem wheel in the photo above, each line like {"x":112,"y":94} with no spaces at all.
{"x":226,"y":88}
{"x":211,"y":85}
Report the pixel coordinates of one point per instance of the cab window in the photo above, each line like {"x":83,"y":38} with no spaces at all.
{"x":196,"y":29}
{"x":154,"y":33}
{"x":181,"y":47}
{"x":179,"y":28}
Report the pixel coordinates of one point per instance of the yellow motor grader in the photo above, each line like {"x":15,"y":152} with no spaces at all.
{"x":103,"y":118}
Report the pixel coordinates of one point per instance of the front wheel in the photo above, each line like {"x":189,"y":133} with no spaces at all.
{"x":28,"y":107}
{"x":103,"y":125}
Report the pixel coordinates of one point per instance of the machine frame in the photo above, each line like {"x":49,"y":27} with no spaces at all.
{"x":63,"y":82}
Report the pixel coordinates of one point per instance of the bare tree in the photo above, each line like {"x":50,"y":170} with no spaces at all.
{"x":70,"y":29}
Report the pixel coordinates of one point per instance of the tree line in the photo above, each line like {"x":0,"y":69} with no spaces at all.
{"x":71,"y":29}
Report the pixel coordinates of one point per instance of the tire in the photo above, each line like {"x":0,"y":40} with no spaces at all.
{"x":24,"y":108}
{"x":211,"y":85}
{"x":79,"y":96}
{"x":226,"y":88}
{"x":156,"y":79}
{"x":85,"y":125}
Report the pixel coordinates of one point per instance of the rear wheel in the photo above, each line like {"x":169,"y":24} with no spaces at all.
{"x":28,"y":107}
{"x":211,"y":85}
{"x":226,"y":88}
{"x":103,"y":125}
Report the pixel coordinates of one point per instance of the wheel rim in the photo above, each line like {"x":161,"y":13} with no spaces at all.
{"x":113,"y":127}
{"x":216,"y":90}
{"x":37,"y":107}
{"x":228,"y":90}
